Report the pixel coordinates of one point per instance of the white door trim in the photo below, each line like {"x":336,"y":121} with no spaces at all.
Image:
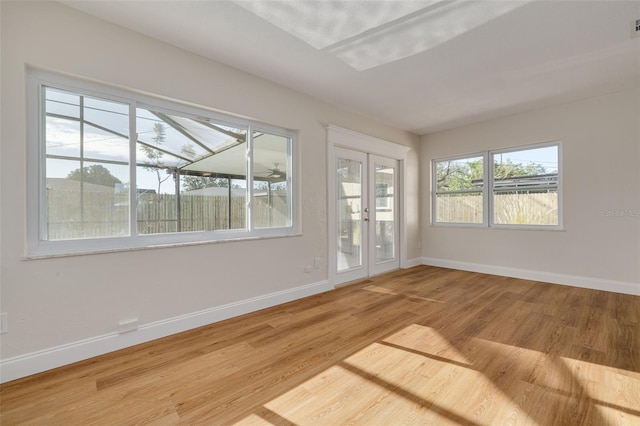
{"x":345,"y":138}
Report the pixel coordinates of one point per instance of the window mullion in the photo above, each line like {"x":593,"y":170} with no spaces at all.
{"x":249,"y":203}
{"x":488,"y":189}
{"x":43,"y":231}
{"x":133,"y":191}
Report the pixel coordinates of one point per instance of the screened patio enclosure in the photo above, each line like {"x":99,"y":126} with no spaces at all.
{"x":191,"y":173}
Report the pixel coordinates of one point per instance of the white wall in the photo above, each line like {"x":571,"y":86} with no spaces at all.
{"x":601,"y":169}
{"x":65,"y":301}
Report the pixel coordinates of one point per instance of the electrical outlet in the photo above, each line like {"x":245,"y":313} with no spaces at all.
{"x":126,"y":326}
{"x":316,"y":262}
{"x":4,"y":322}
{"x":635,"y":28}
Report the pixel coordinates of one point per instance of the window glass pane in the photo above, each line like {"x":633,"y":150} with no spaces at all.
{"x":459,"y":208}
{"x":183,"y":184}
{"x":88,"y":202}
{"x":349,"y":180}
{"x":157,"y":210}
{"x":238,"y":210}
{"x":61,"y":103}
{"x":62,"y":137}
{"x":385,"y":213}
{"x":459,"y":185}
{"x":103,"y":145}
{"x":204,"y":202}
{"x":106,"y":130}
{"x":525,"y":187}
{"x":461,"y":174}
{"x":106,"y":115}
{"x":160,"y":144}
{"x":526,"y":207}
{"x":84,"y":196}
{"x":271,"y":180}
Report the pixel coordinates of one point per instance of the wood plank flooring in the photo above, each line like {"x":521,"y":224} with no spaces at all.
{"x":419,"y":346}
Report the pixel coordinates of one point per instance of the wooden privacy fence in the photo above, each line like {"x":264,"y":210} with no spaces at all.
{"x":95,"y":214}
{"x":509,"y":208}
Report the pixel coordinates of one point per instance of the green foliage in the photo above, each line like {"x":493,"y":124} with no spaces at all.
{"x":95,"y":174}
{"x":509,"y":169}
{"x":459,"y":175}
{"x":191,"y":183}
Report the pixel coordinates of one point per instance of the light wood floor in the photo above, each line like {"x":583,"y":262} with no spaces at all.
{"x":419,"y":346}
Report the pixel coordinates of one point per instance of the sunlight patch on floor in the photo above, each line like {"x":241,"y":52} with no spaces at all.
{"x":417,"y":375}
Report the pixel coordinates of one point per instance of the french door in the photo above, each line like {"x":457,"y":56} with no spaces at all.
{"x":366,"y":228}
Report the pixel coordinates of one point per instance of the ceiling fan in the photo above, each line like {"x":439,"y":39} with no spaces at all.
{"x":276,"y":173}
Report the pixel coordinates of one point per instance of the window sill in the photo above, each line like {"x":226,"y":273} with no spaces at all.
{"x":499,"y":227}
{"x":154,"y":247}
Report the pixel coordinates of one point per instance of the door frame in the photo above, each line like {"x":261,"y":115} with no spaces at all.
{"x":349,"y":139}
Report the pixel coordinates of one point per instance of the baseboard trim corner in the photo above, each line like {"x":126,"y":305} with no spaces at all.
{"x":410,"y":263}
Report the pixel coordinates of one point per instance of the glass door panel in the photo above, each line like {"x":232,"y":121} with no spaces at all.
{"x":385,"y":213}
{"x":350,"y":201}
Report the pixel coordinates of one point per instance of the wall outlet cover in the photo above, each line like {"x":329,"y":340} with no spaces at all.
{"x":128,"y":325}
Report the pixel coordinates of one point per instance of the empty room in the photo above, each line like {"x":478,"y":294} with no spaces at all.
{"x":320,"y":212}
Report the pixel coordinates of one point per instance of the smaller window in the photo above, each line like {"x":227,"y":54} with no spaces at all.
{"x":458,"y":195}
{"x":525,"y":187}
{"x":522,"y":190}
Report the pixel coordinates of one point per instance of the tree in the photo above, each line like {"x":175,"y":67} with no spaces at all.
{"x":155,"y":155}
{"x":95,"y":174}
{"x":191,"y":183}
{"x":458,"y":175}
{"x":509,"y":169}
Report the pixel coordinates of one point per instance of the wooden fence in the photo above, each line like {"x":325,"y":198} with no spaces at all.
{"x":531,"y":209}
{"x":106,"y":214}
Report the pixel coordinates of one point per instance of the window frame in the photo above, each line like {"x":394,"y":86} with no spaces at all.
{"x":435,"y":192}
{"x":38,"y":80}
{"x":491,"y":156}
{"x":488,"y":190}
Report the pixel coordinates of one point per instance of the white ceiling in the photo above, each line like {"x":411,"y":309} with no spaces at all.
{"x":420,"y":65}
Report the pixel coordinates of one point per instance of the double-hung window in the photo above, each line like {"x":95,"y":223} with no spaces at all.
{"x":459,"y":190}
{"x":518,"y":187}
{"x":524,"y":188}
{"x":111,"y":169}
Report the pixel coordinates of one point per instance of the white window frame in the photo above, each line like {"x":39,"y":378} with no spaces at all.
{"x":36,"y":161}
{"x":487,"y":189}
{"x":491,"y":156}
{"x":435,"y":193}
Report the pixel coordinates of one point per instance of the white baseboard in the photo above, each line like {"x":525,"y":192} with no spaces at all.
{"x":548,"y":277}
{"x":36,"y":362}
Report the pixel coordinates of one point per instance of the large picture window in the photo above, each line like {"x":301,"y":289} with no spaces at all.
{"x":111,"y":169}
{"x":523,"y":188}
